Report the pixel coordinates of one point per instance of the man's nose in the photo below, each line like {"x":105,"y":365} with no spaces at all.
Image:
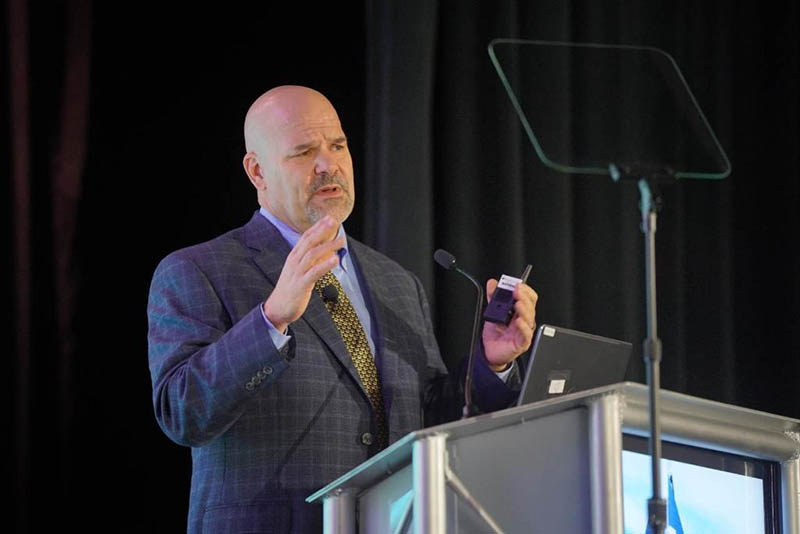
{"x":326,"y":163}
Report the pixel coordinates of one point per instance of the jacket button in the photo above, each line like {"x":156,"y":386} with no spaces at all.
{"x":261,"y":375}
{"x":249,"y":386}
{"x":367,"y":439}
{"x":267,"y":370}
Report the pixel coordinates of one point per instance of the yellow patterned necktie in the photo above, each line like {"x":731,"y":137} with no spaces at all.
{"x":355,"y":339}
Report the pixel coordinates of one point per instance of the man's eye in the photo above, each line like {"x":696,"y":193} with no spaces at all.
{"x":337,"y":148}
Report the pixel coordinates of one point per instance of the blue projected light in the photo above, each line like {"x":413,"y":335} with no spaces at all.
{"x":700,"y":499}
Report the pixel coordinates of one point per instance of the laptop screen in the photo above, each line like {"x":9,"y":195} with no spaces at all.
{"x":567,"y":361}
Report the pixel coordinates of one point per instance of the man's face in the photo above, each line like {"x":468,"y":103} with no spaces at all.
{"x":306,"y":164}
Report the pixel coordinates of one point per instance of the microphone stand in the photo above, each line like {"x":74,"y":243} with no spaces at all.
{"x":448,"y":261}
{"x":476,"y":322}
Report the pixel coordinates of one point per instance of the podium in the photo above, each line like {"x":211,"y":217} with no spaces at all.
{"x":552,"y":466}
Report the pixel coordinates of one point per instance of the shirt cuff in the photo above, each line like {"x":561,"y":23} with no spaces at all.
{"x":502,"y":375}
{"x":279,"y":339}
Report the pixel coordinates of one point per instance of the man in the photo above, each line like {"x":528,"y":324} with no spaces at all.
{"x":285,"y":353}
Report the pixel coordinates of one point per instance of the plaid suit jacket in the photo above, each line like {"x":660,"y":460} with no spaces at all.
{"x":268,"y":428}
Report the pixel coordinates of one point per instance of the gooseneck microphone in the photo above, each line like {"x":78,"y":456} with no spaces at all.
{"x":330,"y":294}
{"x":448,"y":261}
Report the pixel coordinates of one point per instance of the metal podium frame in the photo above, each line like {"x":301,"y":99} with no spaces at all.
{"x":421,"y":462}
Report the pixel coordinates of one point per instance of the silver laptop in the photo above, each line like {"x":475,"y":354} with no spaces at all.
{"x":566,"y":361}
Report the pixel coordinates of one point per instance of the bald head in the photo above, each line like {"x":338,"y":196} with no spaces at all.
{"x":297,"y":156}
{"x":280,"y":109}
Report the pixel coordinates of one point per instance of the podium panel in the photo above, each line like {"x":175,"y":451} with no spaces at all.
{"x":553,"y":466}
{"x":523,"y":475}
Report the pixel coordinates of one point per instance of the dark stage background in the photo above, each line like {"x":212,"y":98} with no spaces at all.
{"x":121,"y":137}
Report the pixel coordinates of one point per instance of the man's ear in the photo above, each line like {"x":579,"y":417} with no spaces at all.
{"x":253,"y":170}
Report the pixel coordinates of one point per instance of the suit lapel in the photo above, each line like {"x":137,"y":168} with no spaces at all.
{"x":270,"y":250}
{"x":378,"y":299}
{"x":374,"y":292}
{"x":401,"y":351}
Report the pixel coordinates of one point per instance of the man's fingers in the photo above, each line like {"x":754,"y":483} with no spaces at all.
{"x":312,"y":256}
{"x":319,"y":269}
{"x":309,"y":256}
{"x":525,"y":291}
{"x":491,"y":286}
{"x":525,"y":305}
{"x":323,"y":231}
{"x":526,"y":312}
{"x":525,"y":332}
{"x":321,"y":253}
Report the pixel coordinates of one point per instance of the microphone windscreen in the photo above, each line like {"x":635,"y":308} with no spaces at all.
{"x":330,"y":293}
{"x":444,"y":258}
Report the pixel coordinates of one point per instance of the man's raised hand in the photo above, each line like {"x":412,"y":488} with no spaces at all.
{"x":312,"y":257}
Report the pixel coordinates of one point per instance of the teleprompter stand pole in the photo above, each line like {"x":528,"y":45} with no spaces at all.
{"x":656,"y":505}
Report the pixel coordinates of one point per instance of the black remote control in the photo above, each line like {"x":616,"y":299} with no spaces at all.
{"x":501,"y":308}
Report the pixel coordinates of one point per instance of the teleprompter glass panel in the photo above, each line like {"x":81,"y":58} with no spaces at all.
{"x":586,"y":107}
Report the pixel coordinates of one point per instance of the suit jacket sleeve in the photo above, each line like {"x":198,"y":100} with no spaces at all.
{"x":204,"y":369}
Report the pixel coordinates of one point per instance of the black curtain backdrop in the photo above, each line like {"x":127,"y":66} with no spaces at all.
{"x":727,"y":260}
{"x":121,"y":137}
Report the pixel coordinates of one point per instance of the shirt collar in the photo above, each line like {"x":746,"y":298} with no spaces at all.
{"x":292,"y":236}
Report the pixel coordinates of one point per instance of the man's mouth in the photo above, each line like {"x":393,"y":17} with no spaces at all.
{"x":329,"y":191}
